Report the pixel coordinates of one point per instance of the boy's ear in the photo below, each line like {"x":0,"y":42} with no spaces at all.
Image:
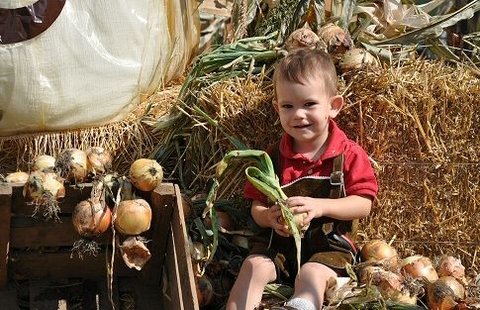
{"x":336,"y":104}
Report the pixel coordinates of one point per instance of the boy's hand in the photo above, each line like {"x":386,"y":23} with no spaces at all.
{"x":307,"y":205}
{"x":276,"y":222}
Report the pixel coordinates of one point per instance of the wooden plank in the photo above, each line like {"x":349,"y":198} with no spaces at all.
{"x":8,"y":299}
{"x":162,"y":204}
{"x":172,"y":290}
{"x":28,"y":265}
{"x":5,"y":215}
{"x":73,"y":195}
{"x":33,"y":233}
{"x":182,"y":255}
{"x":40,"y":298}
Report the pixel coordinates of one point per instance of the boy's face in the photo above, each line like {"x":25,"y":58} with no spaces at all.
{"x":305,"y":109}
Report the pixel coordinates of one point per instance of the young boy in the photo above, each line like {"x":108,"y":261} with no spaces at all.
{"x":326,"y":176}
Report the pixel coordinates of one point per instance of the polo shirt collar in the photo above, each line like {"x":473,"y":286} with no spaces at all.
{"x":335,"y":144}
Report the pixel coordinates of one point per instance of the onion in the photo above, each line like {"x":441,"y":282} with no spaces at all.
{"x":418,"y":267}
{"x":146,"y":174}
{"x":356,"y":58}
{"x":134,"y":252}
{"x":337,"y":39}
{"x":204,"y":289}
{"x":456,"y":287}
{"x":301,"y":38}
{"x":133,"y":217}
{"x":370,"y":274}
{"x":391,"y":287}
{"x":17,"y":177}
{"x":451,"y":266}
{"x":440,"y":296}
{"x":43,"y":162}
{"x":378,"y":251}
{"x":90,"y":218}
{"x":298,"y":218}
{"x":72,"y":164}
{"x":43,"y":187}
{"x":99,"y":161}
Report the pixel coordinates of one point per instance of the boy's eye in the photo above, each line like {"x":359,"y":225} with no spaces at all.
{"x":286,"y":106}
{"x":310,"y":103}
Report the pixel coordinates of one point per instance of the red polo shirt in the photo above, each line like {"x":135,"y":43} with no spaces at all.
{"x":358,"y":173}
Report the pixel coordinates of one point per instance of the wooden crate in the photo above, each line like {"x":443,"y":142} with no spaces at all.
{"x":38,"y":251}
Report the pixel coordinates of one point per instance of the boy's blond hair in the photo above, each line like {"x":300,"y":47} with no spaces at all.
{"x":302,"y":64}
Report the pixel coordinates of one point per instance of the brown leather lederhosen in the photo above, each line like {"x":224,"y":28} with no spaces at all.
{"x":324,"y":240}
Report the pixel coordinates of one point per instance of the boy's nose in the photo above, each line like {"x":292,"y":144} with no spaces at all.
{"x":300,"y":113}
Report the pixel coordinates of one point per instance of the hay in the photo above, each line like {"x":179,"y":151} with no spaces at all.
{"x":126,"y":140}
{"x":418,"y":121}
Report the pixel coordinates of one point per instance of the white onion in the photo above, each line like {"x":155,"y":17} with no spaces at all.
{"x":17,"y":177}
{"x":43,"y":186}
{"x":43,"y":162}
{"x":72,"y":164}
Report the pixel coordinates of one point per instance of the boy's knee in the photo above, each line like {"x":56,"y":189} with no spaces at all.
{"x":259,"y":266}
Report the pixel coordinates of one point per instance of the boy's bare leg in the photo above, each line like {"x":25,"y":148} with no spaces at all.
{"x":311,"y":283}
{"x":256,"y":272}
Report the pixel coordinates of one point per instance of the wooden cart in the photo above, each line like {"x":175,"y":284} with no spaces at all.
{"x":38,"y":252}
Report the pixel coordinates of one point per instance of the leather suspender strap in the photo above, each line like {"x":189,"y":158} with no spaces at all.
{"x":336,"y":178}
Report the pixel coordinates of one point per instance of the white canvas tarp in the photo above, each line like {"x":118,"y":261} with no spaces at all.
{"x":94,"y":63}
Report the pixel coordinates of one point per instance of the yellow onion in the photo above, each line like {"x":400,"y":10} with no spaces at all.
{"x":301,"y":38}
{"x":298,"y":218}
{"x":72,"y":164}
{"x":378,"y":251}
{"x":43,"y":162}
{"x":134,"y":252}
{"x":133,"y":217}
{"x":204,"y":290}
{"x":440,"y":296}
{"x":370,"y":274}
{"x":356,"y":58}
{"x":418,"y":267}
{"x":99,"y":161}
{"x":17,"y":177}
{"x":391,"y":287}
{"x":146,"y":174}
{"x":337,"y":40}
{"x":451,"y":266}
{"x":457,"y":288}
{"x":43,"y":187}
{"x":90,"y":218}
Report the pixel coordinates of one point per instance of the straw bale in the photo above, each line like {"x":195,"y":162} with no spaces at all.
{"x":126,"y":140}
{"x":418,"y":121}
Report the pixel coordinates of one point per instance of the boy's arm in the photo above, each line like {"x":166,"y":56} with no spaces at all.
{"x":347,"y":208}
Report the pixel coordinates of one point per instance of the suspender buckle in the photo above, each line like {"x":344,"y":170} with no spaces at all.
{"x":336,"y":178}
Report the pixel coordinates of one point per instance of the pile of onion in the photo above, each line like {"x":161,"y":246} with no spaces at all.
{"x":43,"y":162}
{"x":380,"y":252}
{"x":133,"y":217}
{"x":91,"y":218}
{"x":17,"y":177}
{"x":72,"y":165}
{"x":99,"y":161}
{"x":356,"y":58}
{"x":419,"y":267}
{"x":146,"y":174}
